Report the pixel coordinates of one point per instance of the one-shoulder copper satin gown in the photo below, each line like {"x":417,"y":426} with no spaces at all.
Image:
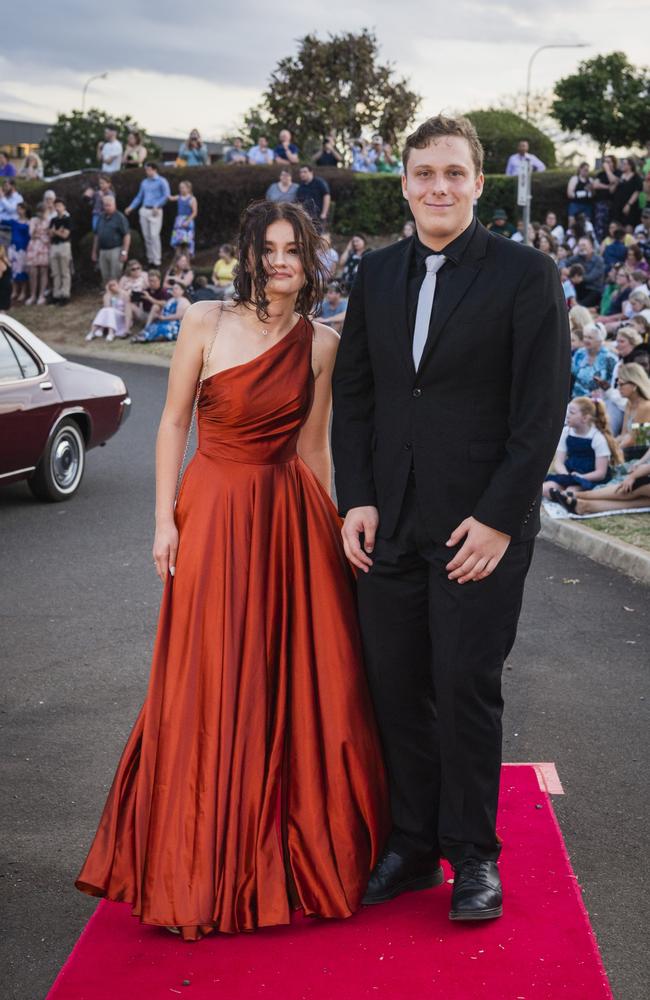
{"x":252,"y":782}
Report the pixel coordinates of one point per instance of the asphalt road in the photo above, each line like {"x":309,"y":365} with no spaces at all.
{"x":78,"y":614}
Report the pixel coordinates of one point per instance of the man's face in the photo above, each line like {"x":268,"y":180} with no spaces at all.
{"x":262,"y":142}
{"x":109,"y":205}
{"x":522,"y":147}
{"x":333,"y":296}
{"x":110,"y":135}
{"x":285,"y":136}
{"x":3,"y":160}
{"x":305,"y":175}
{"x":150,"y":171}
{"x":584,"y":247}
{"x":551,"y":220}
{"x":440,"y":185}
{"x":621,"y":279}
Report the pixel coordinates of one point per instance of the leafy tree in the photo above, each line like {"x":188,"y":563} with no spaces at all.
{"x":500,"y":131}
{"x":338,"y":86}
{"x":71,"y":143}
{"x":608,"y":99}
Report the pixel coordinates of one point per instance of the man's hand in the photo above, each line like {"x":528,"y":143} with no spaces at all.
{"x":481,"y":553}
{"x":127,"y":211}
{"x":360,"y":520}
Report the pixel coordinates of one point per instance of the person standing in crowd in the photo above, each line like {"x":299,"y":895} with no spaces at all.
{"x":5,"y":280}
{"x":500,"y":224}
{"x":314,"y":195}
{"x":61,"y":254}
{"x":603,"y":186}
{"x":7,"y":168}
{"x":49,"y":198}
{"x":111,"y":241}
{"x":151,"y":198}
{"x":333,"y":307}
{"x":261,"y":154}
{"x":96,"y":195}
{"x":286,"y":151}
{"x":579,"y":193}
{"x":135,"y":153}
{"x":183,"y":232}
{"x":360,"y":159}
{"x":10,"y":200}
{"x":18,"y":252}
{"x":236,"y":154}
{"x":328,"y":155}
{"x":594,"y":269}
{"x":625,"y":203}
{"x":284,"y":189}
{"x":193,"y":152}
{"x":350,"y":259}
{"x":223,"y":272}
{"x":154,"y":294}
{"x":109,"y":152}
{"x":32,"y":168}
{"x":37,"y":257}
{"x":523,"y":153}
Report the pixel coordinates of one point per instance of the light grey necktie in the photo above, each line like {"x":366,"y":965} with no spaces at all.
{"x":425,"y":304}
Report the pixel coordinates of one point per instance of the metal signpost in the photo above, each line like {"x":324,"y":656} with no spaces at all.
{"x":523,"y":193}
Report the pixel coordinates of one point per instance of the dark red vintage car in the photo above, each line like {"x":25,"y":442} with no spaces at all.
{"x":51,"y":412}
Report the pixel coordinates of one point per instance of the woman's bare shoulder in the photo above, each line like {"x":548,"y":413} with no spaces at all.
{"x":325,"y":346}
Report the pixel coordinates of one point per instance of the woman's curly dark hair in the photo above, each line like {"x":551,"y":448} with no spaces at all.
{"x":250,"y":285}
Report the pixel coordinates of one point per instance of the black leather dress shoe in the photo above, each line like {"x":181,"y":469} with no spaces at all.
{"x":394,"y":874}
{"x":477,"y":891}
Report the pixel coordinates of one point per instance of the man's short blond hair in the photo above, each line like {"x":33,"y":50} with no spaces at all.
{"x":435,"y":128}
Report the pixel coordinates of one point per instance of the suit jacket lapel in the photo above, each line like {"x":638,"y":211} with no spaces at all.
{"x":399,"y":307}
{"x":457,"y":286}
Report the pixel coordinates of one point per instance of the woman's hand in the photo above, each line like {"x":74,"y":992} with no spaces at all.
{"x":165,"y":547}
{"x":627,"y":485}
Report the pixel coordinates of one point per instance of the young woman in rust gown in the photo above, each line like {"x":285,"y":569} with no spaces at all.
{"x":252,"y":782}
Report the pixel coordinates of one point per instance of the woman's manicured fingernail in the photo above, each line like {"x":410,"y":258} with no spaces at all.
{"x":172,"y":570}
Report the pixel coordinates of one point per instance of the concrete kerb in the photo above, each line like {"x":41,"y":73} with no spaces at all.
{"x":604,"y":549}
{"x":119,"y":354}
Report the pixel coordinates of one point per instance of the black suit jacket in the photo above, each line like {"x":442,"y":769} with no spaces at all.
{"x":481,"y":419}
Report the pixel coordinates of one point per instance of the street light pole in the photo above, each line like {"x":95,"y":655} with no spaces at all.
{"x":98,"y":76}
{"x":559,"y":45}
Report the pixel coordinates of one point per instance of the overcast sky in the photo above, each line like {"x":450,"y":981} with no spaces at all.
{"x":174,"y":66}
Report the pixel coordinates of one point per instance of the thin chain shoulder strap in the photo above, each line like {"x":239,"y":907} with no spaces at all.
{"x":195,"y":405}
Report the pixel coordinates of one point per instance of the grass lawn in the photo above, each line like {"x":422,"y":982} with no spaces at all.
{"x":632,"y":528}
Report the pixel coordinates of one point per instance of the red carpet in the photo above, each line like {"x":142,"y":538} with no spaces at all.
{"x":541,"y":949}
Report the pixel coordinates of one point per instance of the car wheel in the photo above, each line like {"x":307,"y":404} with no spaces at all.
{"x":59,"y":472}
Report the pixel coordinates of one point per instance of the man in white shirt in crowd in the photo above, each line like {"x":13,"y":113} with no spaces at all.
{"x":522,"y":154}
{"x":109,"y":152}
{"x":261,"y":154}
{"x":9,"y":201}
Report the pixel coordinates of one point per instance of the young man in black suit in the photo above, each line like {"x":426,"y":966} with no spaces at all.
{"x":450,"y":390}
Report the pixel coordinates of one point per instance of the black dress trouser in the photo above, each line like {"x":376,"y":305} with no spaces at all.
{"x":434,"y":653}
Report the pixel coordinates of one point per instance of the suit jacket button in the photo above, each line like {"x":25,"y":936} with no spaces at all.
{"x":417,"y":392}
{"x":407,"y":446}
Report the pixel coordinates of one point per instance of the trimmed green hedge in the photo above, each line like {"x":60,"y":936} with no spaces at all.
{"x":372,"y":204}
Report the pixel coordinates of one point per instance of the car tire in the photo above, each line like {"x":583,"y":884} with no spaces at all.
{"x":61,"y":467}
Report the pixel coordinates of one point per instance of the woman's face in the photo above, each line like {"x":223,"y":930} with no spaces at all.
{"x":544,"y":244}
{"x":590,"y":341}
{"x":182,"y":263}
{"x":183,"y":188}
{"x":112,"y":286}
{"x":177,"y":290}
{"x":625,"y":165}
{"x":626,"y":389}
{"x":131,"y":140}
{"x":282,"y":260}
{"x":358,"y":244}
{"x":637,"y":305}
{"x":623,"y":346}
